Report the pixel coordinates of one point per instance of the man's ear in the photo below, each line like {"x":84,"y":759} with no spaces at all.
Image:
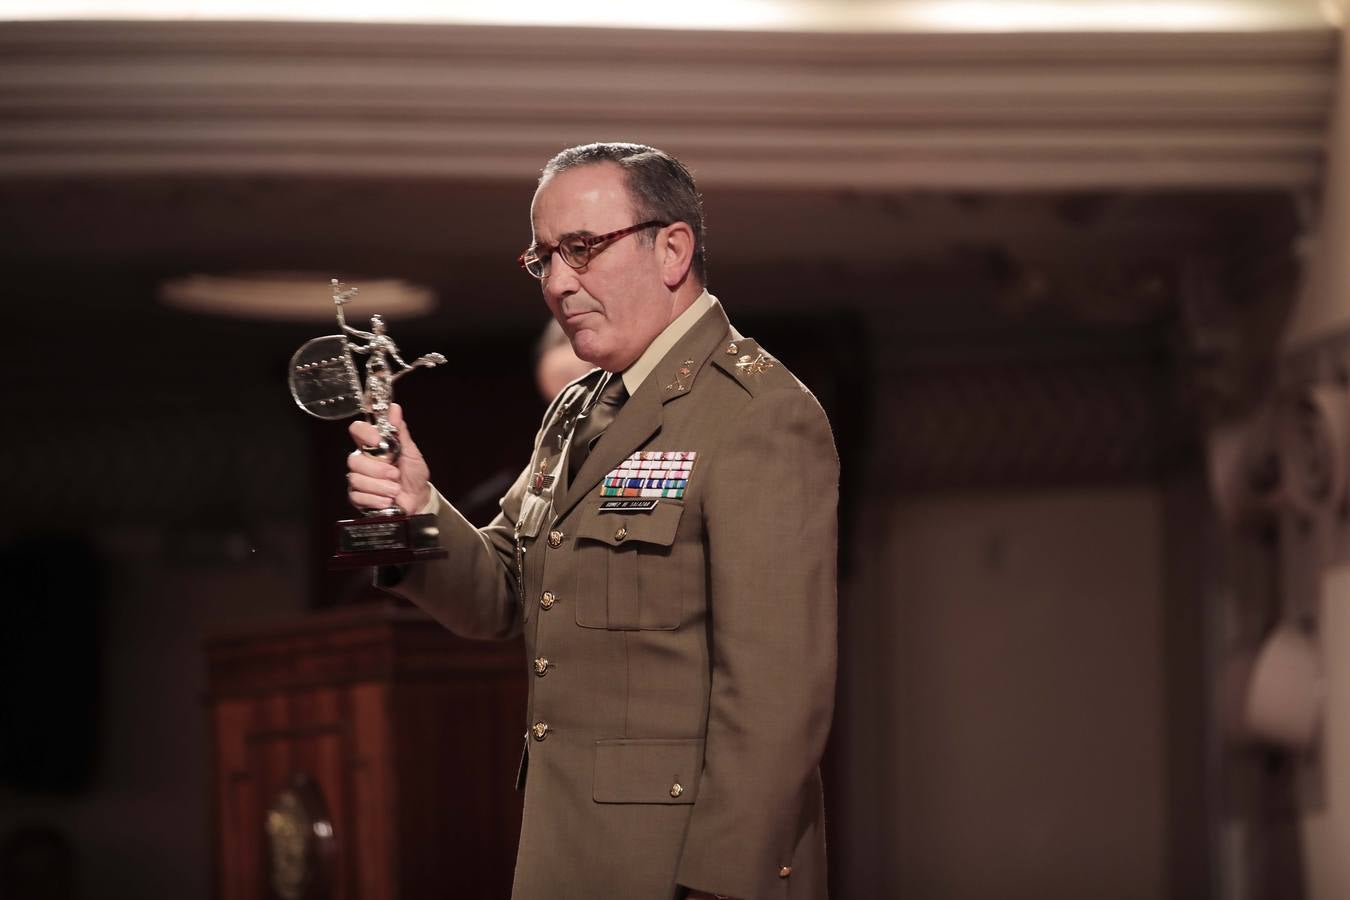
{"x":675,"y":244}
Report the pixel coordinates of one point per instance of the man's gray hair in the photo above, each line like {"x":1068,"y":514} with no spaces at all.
{"x":660,"y":186}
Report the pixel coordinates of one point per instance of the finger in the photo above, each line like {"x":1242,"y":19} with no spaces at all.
{"x":364,"y":433}
{"x":365,"y":464}
{"x":362,"y":500}
{"x":365,"y":484}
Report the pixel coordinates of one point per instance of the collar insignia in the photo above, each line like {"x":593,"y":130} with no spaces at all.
{"x":682,"y":376}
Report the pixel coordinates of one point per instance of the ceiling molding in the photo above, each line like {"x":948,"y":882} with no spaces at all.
{"x":865,"y":111}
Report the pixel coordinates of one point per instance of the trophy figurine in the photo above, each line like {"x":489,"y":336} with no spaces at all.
{"x":325,"y":383}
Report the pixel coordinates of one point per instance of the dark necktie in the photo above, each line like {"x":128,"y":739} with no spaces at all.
{"x":594,"y":423}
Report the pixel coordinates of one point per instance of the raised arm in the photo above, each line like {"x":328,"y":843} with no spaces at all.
{"x":473,"y":591}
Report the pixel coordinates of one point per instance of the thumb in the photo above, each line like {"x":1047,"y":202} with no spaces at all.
{"x":405,"y":438}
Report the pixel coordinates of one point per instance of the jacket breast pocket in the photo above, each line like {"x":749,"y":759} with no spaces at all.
{"x":627,"y":575}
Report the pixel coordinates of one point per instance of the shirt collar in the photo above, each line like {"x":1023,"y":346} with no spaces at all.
{"x":634,"y":375}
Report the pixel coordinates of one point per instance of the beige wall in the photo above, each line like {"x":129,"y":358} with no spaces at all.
{"x":1326,"y":814}
{"x":1028,"y":707}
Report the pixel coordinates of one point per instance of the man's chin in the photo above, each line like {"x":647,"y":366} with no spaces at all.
{"x":586,"y":346}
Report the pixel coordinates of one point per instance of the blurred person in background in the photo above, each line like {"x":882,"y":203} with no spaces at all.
{"x":556,"y":365}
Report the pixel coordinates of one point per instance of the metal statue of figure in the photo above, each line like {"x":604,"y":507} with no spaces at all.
{"x":325,"y":382}
{"x":383,"y":354}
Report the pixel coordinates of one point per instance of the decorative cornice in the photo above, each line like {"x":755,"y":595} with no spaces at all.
{"x":878,"y":111}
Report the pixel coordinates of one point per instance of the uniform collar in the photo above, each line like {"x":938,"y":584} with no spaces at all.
{"x":638,"y":372}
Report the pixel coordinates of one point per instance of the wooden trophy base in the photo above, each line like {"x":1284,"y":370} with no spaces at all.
{"x":386,"y":541}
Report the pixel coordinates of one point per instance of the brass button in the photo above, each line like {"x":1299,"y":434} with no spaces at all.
{"x":676,"y":789}
{"x":555,"y":539}
{"x":548,"y":599}
{"x":541,"y":666}
{"x":621,"y":533}
{"x":732,"y":349}
{"x":539,"y":730}
{"x":785,"y":871}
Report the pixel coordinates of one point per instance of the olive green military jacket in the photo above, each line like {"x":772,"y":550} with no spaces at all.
{"x":682,"y":652}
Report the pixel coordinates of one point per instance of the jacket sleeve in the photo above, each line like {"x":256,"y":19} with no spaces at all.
{"x":770,"y":511}
{"x":472,"y":591}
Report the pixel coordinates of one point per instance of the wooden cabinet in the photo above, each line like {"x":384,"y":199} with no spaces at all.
{"x":404,"y":738}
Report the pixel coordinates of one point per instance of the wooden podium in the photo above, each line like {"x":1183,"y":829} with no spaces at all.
{"x":364,"y":753}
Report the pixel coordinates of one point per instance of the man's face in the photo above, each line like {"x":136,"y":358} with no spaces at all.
{"x":614,"y":307}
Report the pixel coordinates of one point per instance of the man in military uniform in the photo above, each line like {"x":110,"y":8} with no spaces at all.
{"x":669,"y":554}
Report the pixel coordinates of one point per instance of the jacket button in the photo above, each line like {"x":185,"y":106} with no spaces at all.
{"x":539,"y":730}
{"x":785,"y":871}
{"x":555,"y":539}
{"x":548,"y":599}
{"x":541,"y":666}
{"x":676,"y":789}
{"x":621,"y":533}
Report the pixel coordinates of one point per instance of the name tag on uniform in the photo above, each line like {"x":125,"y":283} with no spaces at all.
{"x":651,"y":474}
{"x":629,"y":505}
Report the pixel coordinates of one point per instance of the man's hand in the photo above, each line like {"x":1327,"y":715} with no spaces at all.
{"x":375,"y":484}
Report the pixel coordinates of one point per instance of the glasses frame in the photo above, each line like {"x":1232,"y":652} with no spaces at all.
{"x":591,"y":247}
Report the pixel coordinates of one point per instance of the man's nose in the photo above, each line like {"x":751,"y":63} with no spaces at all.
{"x":561,"y":281}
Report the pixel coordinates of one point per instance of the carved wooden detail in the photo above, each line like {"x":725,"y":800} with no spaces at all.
{"x":408,"y":734}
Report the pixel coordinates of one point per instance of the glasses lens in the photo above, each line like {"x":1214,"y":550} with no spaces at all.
{"x":534,"y":265}
{"x":575,"y":252}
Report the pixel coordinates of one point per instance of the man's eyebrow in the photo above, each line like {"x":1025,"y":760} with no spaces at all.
{"x":583,"y":233}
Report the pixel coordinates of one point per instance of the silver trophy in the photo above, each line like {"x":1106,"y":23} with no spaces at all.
{"x":325,"y":383}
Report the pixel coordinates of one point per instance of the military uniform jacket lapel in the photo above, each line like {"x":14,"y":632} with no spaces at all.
{"x":641,"y":417}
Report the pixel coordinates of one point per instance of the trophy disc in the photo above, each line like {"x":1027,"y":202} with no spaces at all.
{"x":323,"y":381}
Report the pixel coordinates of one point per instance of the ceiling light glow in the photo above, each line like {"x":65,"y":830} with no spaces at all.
{"x":292,"y":296}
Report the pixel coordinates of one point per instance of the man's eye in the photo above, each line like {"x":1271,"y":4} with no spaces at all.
{"x":575,"y":249}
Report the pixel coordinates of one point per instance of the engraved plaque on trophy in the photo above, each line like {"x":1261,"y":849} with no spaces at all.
{"x":325,"y":383}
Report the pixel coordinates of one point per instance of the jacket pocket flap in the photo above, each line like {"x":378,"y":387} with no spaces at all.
{"x":647,"y":770}
{"x":657,"y":526}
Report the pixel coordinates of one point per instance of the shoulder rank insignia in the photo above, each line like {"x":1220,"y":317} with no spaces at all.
{"x":651,"y":473}
{"x":758,"y":364}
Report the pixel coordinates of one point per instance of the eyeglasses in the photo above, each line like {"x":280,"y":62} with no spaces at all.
{"x":575,"y":251}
